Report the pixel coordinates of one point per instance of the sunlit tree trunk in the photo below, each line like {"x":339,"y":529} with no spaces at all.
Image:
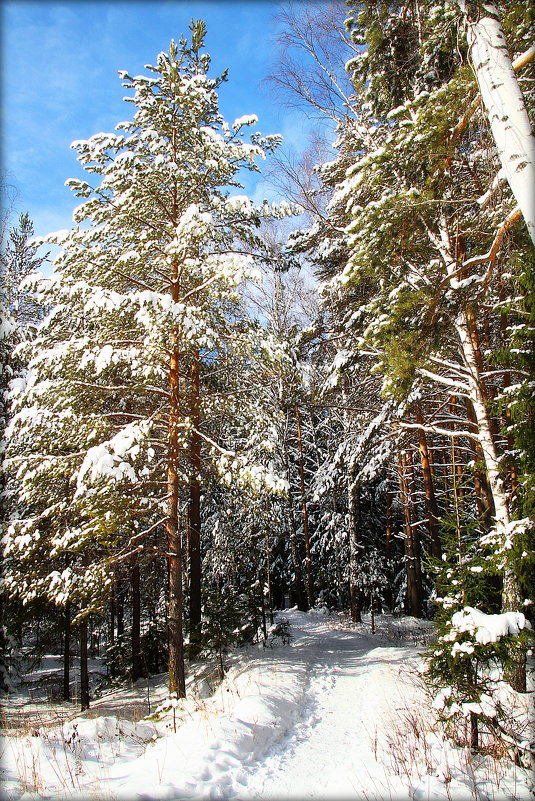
{"x":511,"y":597}
{"x":429,"y":488}
{"x":177,"y":679}
{"x":194,"y":539}
{"x":484,"y":499}
{"x":503,"y":101}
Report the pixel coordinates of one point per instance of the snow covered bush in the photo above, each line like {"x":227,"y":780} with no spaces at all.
{"x":466,"y":668}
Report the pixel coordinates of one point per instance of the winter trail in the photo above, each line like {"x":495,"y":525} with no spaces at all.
{"x":339,"y":748}
{"x":309,"y":719}
{"x":330,"y":715}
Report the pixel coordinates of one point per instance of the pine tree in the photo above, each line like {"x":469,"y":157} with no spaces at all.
{"x":145,"y":286}
{"x":18,"y":260}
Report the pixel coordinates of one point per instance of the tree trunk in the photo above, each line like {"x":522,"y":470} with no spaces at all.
{"x":511,"y":595}
{"x":389,"y":533}
{"x":84,"y":673}
{"x":341,"y":590}
{"x":194,"y":539}
{"x":177,"y":678}
{"x":297,"y":586}
{"x":513,"y":468}
{"x":67,"y":652}
{"x":504,"y":103}
{"x":354,"y":550}
{"x":502,"y":518}
{"x":262,"y":600}
{"x":111,"y":629}
{"x":484,"y":499}
{"x":268,"y":580}
{"x":119,"y":609}
{"x":435,"y":548}
{"x":135,"y":579}
{"x":412,"y":543}
{"x":309,"y":584}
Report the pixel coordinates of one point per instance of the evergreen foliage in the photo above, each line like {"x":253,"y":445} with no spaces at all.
{"x":189,"y":422}
{"x":226,"y":622}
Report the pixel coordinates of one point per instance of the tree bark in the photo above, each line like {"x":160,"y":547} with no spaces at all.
{"x":513,"y":468}
{"x":488,"y":447}
{"x":484,"y":499}
{"x":511,"y":595}
{"x":84,"y":673}
{"x":309,"y":583}
{"x":297,"y":586}
{"x":504,"y":103}
{"x":119,"y":609}
{"x":389,"y":533}
{"x":177,"y":677}
{"x":194,"y":539}
{"x":135,"y":580}
{"x":429,"y":488}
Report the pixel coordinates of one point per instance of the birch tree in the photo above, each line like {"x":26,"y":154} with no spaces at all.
{"x":503,"y":101}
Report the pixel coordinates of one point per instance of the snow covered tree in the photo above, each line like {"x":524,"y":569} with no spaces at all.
{"x":432,"y":245}
{"x":467,"y":666}
{"x":143,"y":294}
{"x":18,"y":260}
{"x":19,"y":315}
{"x":419,"y":254}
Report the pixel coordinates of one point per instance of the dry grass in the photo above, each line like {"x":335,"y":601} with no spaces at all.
{"x":414,"y":744}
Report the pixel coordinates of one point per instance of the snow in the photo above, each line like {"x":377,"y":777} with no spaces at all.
{"x":246,"y":119}
{"x":337,"y":713}
{"x":488,"y":628}
{"x":107,"y":459}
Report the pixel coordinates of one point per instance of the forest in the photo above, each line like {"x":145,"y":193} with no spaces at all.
{"x":213,"y":409}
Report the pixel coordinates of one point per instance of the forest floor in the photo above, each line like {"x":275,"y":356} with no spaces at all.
{"x":336,"y":713}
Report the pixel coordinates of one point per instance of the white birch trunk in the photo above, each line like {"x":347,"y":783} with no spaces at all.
{"x":511,"y":599}
{"x":504,"y":104}
{"x":483,"y":424}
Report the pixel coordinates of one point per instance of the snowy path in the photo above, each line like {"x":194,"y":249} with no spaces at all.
{"x":336,"y":751}
{"x":329,"y":716}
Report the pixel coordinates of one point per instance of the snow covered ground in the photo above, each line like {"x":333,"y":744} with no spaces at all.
{"x":338,"y":713}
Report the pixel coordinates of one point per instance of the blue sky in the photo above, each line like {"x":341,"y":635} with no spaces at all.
{"x":60,"y":83}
